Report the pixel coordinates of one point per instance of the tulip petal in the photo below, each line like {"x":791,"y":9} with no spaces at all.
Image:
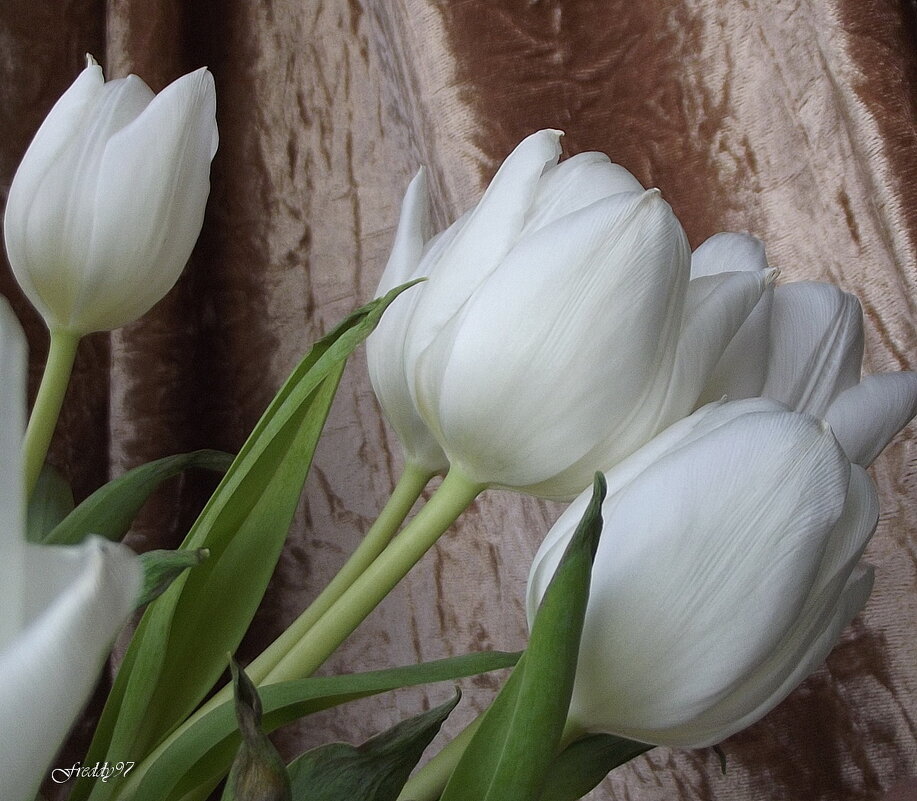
{"x":575,"y":183}
{"x":62,"y":125}
{"x":728,"y":252}
{"x":13,"y":364}
{"x":866,"y":417}
{"x":806,"y":644}
{"x":486,"y":236}
{"x":801,"y":654}
{"x":385,"y":346}
{"x":816,"y":346}
{"x":739,"y":568}
{"x":564,"y":350}
{"x":679,"y":434}
{"x":149,"y":204}
{"x":741,"y":369}
{"x":716,"y":307}
{"x":413,"y":233}
{"x":78,"y":599}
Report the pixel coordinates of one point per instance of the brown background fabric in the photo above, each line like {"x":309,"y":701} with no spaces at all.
{"x":794,"y":121}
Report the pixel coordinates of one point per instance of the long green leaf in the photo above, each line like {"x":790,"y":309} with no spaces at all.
{"x":111,"y":509}
{"x":374,"y":771}
{"x":178,"y":651}
{"x":511,"y":752}
{"x":582,"y":765}
{"x":202,"y":753}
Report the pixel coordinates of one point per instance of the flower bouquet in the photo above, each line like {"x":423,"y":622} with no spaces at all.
{"x":708,"y":424}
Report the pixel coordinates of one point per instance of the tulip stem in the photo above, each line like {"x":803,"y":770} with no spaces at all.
{"x":396,"y":509}
{"x":454,"y":495}
{"x":430,"y":781}
{"x":48,"y":403}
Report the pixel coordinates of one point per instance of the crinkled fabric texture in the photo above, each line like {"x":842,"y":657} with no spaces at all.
{"x":794,"y":122}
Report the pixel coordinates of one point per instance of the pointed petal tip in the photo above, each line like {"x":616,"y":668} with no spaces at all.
{"x":548,"y":138}
{"x":770,"y":277}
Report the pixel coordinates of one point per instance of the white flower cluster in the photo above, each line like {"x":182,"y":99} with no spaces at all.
{"x":565,"y":328}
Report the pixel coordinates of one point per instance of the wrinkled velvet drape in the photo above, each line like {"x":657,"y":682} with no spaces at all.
{"x":794,"y":121}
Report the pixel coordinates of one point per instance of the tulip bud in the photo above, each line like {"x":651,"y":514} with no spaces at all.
{"x":556,"y":332}
{"x":109,"y":199}
{"x":725,"y":574}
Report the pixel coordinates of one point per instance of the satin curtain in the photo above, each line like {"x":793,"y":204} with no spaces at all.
{"x":794,"y":121}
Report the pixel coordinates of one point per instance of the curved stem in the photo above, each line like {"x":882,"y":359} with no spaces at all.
{"x":402,"y":499}
{"x":430,"y":781}
{"x":454,"y":495}
{"x":48,"y":402}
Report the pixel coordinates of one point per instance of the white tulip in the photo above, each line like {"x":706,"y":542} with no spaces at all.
{"x":109,"y":198}
{"x":557,"y":330}
{"x":803,"y":346}
{"x":727,"y":568}
{"x":60,"y":607}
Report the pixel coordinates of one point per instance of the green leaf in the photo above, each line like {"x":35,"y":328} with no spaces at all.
{"x":161,"y":568}
{"x":202,"y":754}
{"x":374,"y":771}
{"x":582,"y":765}
{"x":178,"y":651}
{"x":510,"y":754}
{"x":51,"y":501}
{"x":257,"y":772}
{"x":111,"y":509}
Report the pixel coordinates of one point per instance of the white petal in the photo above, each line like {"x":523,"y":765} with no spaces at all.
{"x":385,"y":346}
{"x":485,"y":237}
{"x":696,"y":591}
{"x":574,"y":184}
{"x":715,"y":309}
{"x":48,"y":672}
{"x":385,"y":363}
{"x":13,"y":365}
{"x":681,"y":433}
{"x":840,"y":589}
{"x":866,"y":417}
{"x":816,"y":346}
{"x":789,"y":665}
{"x":728,"y":252}
{"x":154,"y":180}
{"x":411,"y":236}
{"x":741,"y":370}
{"x":852,"y":532}
{"x":552,"y":353}
{"x":62,"y":124}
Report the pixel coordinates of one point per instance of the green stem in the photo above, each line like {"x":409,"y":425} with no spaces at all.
{"x":48,"y":402}
{"x":402,"y":499}
{"x":454,"y":495}
{"x":430,"y":781}
{"x":406,"y":492}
